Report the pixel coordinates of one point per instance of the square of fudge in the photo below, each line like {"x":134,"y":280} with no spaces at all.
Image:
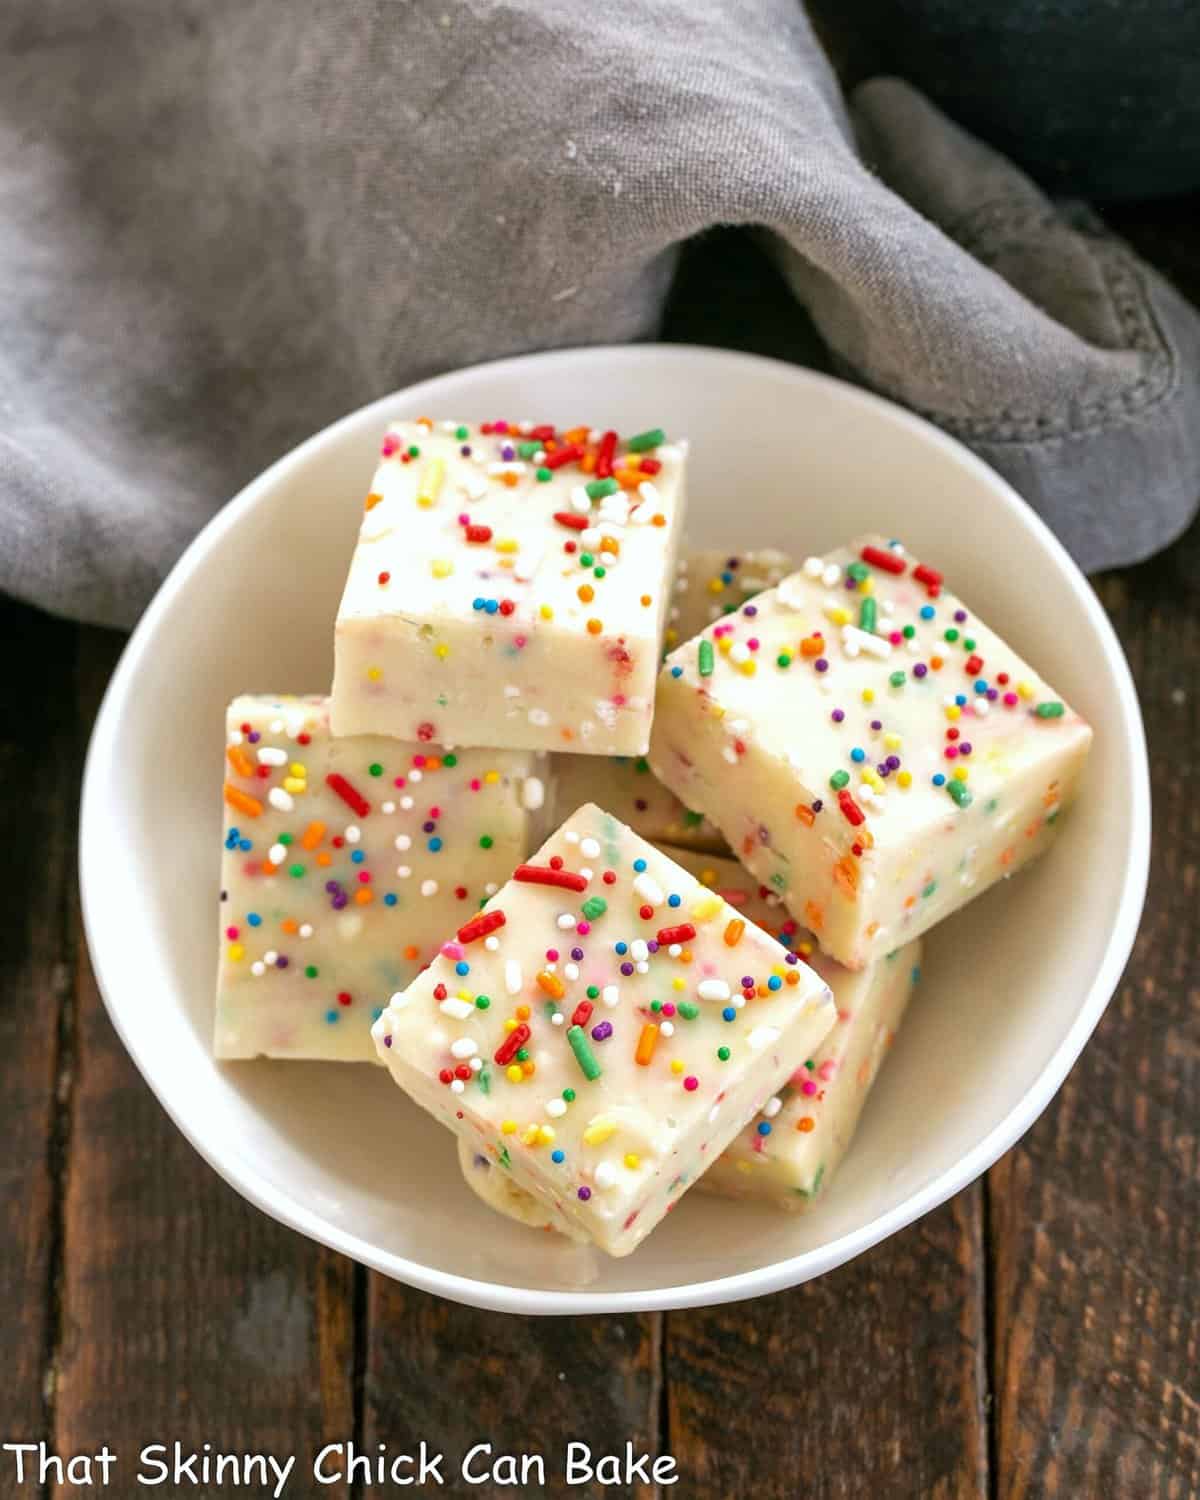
{"x":603,"y":1028}
{"x":872,"y":751}
{"x":790,"y":1151}
{"x":345,"y":862}
{"x":510,"y":588}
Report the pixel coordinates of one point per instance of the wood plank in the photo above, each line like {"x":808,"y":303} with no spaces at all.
{"x":187,"y":1314}
{"x":868,"y":1381}
{"x":457,"y":1377}
{"x":1095,"y":1213}
{"x":37,"y":833}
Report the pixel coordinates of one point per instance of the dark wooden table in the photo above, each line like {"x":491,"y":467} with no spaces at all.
{"x":1037,"y":1336}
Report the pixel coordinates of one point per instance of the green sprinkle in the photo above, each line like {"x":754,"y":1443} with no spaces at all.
{"x":783,"y":660}
{"x":504,"y":1159}
{"x":593,"y":907}
{"x":375,"y":769}
{"x":641,"y":441}
{"x":599,"y":572}
{"x":951,"y":635}
{"x":584,"y":1055}
{"x":693,"y":819}
{"x":868,"y":610}
{"x":816,"y":1187}
{"x":450,"y":761}
{"x":296,"y":871}
{"x":586,"y":559}
{"x":641,"y":765}
{"x":462,"y":433}
{"x":897,"y":679}
{"x":960,"y":792}
{"x":414,"y":451}
{"x":908,"y":632}
{"x":929,"y":890}
{"x":656,"y":1006}
{"x":706,"y":658}
{"x":286,"y":838}
{"x":688,"y":1010}
{"x":723,"y":1053}
{"x":482,"y":1002}
{"x":968,"y":643}
{"x":484,"y":1079}
{"x":1051,"y":709}
{"x":486,"y":841}
{"x":522,"y":1054}
{"x":528,"y":449}
{"x":593,"y":991}
{"x":839,"y":779}
{"x":549,"y":1009}
{"x":858,"y":571}
{"x":544,"y":476}
{"x":569,"y":1095}
{"x":311,"y":971}
{"x":597,"y":489}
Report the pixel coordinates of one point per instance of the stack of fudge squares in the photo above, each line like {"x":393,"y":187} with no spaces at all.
{"x":618,"y":856}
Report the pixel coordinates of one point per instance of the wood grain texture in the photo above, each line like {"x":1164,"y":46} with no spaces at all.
{"x":457,"y":1376}
{"x":869,"y":1381}
{"x":187,"y":1314}
{"x":1096,"y":1213}
{"x":38,"y":756}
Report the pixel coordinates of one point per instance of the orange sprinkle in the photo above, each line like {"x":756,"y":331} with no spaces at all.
{"x":324,"y":859}
{"x":586,"y":592}
{"x":412,"y":951}
{"x":290,"y":925}
{"x":610,"y":544}
{"x":364,"y":896}
{"x":812,"y":645}
{"x":815,"y":915}
{"x":576,"y":435}
{"x":312,"y":835}
{"x":936,"y":663}
{"x":909,"y":902}
{"x":733,"y":932}
{"x":845,"y":876}
{"x":762,"y":992}
{"x":1008,"y":856}
{"x":646,"y":1045}
{"x":805,"y":814}
{"x":240,"y":761}
{"x":372,"y":500}
{"x":588,"y":463}
{"x":244,"y":803}
{"x":426,"y":423}
{"x":511,"y":479}
{"x":267,"y":868}
{"x":595,"y":627}
{"x":433,"y":763}
{"x":658,"y":520}
{"x":805,"y":1124}
{"x":645,"y":600}
{"x":872,"y":929}
{"x":792,"y":977}
{"x":551,"y":984}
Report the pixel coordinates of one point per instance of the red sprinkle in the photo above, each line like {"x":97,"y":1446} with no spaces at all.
{"x":511,"y":1044}
{"x":974,"y":665}
{"x":604,"y":455}
{"x":352,"y":798}
{"x":851,"y":811}
{"x":479,"y":533}
{"x":565,"y":880}
{"x":542,"y":434}
{"x":650,"y":466}
{"x":582,"y":1013}
{"x":923,"y":573}
{"x":570,"y":519}
{"x":684,"y":933}
{"x":568,"y":455}
{"x":480,"y":926}
{"x":890,"y":562}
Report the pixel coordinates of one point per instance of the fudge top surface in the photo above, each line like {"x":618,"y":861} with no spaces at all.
{"x":894,"y":706}
{"x":466,"y":523}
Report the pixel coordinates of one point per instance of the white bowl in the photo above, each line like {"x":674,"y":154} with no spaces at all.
{"x":1012,"y":987}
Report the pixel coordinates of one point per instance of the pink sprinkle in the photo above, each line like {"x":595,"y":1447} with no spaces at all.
{"x":398,"y":781}
{"x":520,"y":641}
{"x":895,"y":637}
{"x":808,"y":1087}
{"x":583,"y":928}
{"x":1010,"y":700}
{"x":475,"y":783}
{"x":668,"y":1009}
{"x":390,"y":445}
{"x":418,"y":761}
{"x":552,"y":955}
{"x":619,"y":700}
{"x":464,"y":519}
{"x":435,"y":812}
{"x":827,"y":1069}
{"x":452,"y":950}
{"x":752,"y":643}
{"x":691,"y":1084}
{"x":231,"y":933}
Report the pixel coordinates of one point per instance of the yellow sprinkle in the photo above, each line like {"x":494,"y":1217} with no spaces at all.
{"x":236,"y":952}
{"x":953,"y":711}
{"x":867,"y":585}
{"x":868,"y":695}
{"x":297,"y":768}
{"x":441,"y":651}
{"x":892,"y":741}
{"x":491,"y":777}
{"x":532,"y":1135}
{"x":748,"y":667}
{"x":431,"y":482}
{"x":374,"y":673}
{"x":295,"y":784}
{"x":510,"y":1024}
{"x":904,"y":778}
{"x":872,"y":777}
{"x":678,"y":984}
{"x":676,"y":1066}
{"x":546,"y":1135}
{"x":599,"y":1131}
{"x":441,"y":567}
{"x":706,"y":907}
{"x":1024,"y":689}
{"x":804,"y":949}
{"x":546,"y":612}
{"x":632,"y":1161}
{"x":513,"y":1073}
{"x":960,"y":773}
{"x":715,"y":586}
{"x":837,"y":614}
{"x":507,"y":544}
{"x":464,"y":994}
{"x":508,"y":1127}
{"x":725,"y":645}
{"x":670,"y":635}
{"x":717,"y":711}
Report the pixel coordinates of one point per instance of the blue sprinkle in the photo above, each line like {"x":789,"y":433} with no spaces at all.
{"x":622,"y":948}
{"x":927,"y":612}
{"x":357,"y":857}
{"x":492,"y":605}
{"x":639,"y":865}
{"x":245,"y":845}
{"x":764,"y":1127}
{"x":729,"y":1014}
{"x":376,"y":1012}
{"x":727,"y":577}
{"x":858,"y":754}
{"x":233,"y":833}
{"x":674,"y":900}
{"x":774,"y":983}
{"x":939,"y":779}
{"x":676,"y":671}
{"x":390,"y":899}
{"x":961,"y":699}
{"x":477,"y":603}
{"x":434,"y":845}
{"x":981,"y":685}
{"x":558,"y":1157}
{"x":254,"y":919}
{"x":332,"y":1017}
{"x":916,"y":973}
{"x":462,"y":967}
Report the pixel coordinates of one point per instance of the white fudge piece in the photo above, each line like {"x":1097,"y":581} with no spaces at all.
{"x":789,"y":1152}
{"x":509,"y":587}
{"x":345,"y":863}
{"x":485,"y":1171}
{"x":621,"y":1029}
{"x":711,"y":582}
{"x":870,"y":750}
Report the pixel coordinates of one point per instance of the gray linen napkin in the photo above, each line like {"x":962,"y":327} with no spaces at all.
{"x":224,"y":224}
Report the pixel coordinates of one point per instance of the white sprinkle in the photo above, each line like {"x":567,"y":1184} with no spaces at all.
{"x":557,"y":1018}
{"x":586,"y":872}
{"x":403,"y":842}
{"x":464,"y":1047}
{"x":306,"y":930}
{"x":762,"y":1036}
{"x":539,"y":716}
{"x":643,"y":967}
{"x":814,"y":566}
{"x":739,"y":652}
{"x":667,"y":1028}
{"x":571,"y":972}
{"x":589,"y":848}
{"x":476,"y":1064}
{"x":507,"y":466}
{"x":457,"y":1086}
{"x":492,"y":943}
{"x":533,"y":793}
{"x":873,"y":645}
{"x":258,"y":968}
{"x":512,"y":976}
{"x":639,"y":951}
{"x":458,"y":1010}
{"x":491,"y":888}
{"x":269,"y":756}
{"x":387,"y":807}
{"x":280,"y":799}
{"x":406,"y":803}
{"x":832,"y":576}
{"x":648,"y":889}
{"x":566,"y":920}
{"x":277,"y":853}
{"x":772,"y":1107}
{"x":570,"y":836}
{"x":605,"y":1175}
{"x":674,"y":950}
{"x":713,"y":1113}
{"x":729,"y":754}
{"x":404,"y":871}
{"x":713,"y":989}
{"x":527,"y":564}
{"x":511,"y":690}
{"x":429,"y":887}
{"x":556,"y":1108}
{"x":610,"y":995}
{"x":270,"y":957}
{"x":352,"y":833}
{"x":581,"y":500}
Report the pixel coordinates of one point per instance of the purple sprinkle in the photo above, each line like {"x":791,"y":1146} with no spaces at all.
{"x":893,"y":762}
{"x":992,"y":694}
{"x":850,"y":584}
{"x":508,"y":453}
{"x":920,"y":669}
{"x":965,"y":748}
{"x":652,"y":945}
{"x":576,"y":954}
{"x":821,"y":664}
{"x":883,"y":768}
{"x":465,"y":450}
{"x":339,"y":901}
{"x":387,"y":1041}
{"x":282,"y":961}
{"x":428,"y":826}
{"x":331,"y":885}
{"x":791,"y":958}
{"x":875,"y":724}
{"x":602,"y":1032}
{"x":584,"y":1194}
{"x":254,"y":736}
{"x":747,"y":982}
{"x":817,"y":805}
{"x":959,"y":616}
{"x":838,"y":715}
{"x":750,"y":611}
{"x":627,"y":968}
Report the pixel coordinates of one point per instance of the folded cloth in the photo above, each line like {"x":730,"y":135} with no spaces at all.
{"x":224,"y":224}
